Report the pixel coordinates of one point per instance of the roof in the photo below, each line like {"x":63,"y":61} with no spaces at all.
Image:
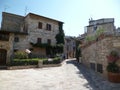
{"x":34,"y":15}
{"x":101,"y":21}
{"x":43,"y":17}
{"x":99,"y":24}
{"x":13,"y":14}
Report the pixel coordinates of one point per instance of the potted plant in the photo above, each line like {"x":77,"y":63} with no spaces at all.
{"x":113,"y":68}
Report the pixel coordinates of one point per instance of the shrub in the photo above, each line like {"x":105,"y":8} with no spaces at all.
{"x":99,"y":32}
{"x":21,"y":55}
{"x":19,"y":62}
{"x":53,"y":61}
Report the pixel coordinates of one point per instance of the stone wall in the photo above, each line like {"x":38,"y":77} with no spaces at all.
{"x":8,"y":46}
{"x":11,"y":22}
{"x":23,"y":43}
{"x":35,"y":32}
{"x":108,"y":27}
{"x":96,"y":52}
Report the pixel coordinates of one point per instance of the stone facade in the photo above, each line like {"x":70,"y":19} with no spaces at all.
{"x":25,"y":30}
{"x":8,"y":46}
{"x":11,"y":22}
{"x":34,"y":32}
{"x":106,"y":24}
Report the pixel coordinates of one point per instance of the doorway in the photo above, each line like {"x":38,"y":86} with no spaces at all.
{"x":3,"y":54}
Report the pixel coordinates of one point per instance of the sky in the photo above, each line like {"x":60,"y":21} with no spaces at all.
{"x":74,"y":13}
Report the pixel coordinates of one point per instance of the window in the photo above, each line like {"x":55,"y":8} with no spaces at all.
{"x":94,"y":28}
{"x":40,"y":25}
{"x":48,"y":27}
{"x":16,"y":39}
{"x":4,"y":37}
{"x":49,"y":41}
{"x":39,"y":40}
{"x":100,"y":68}
{"x":15,"y":50}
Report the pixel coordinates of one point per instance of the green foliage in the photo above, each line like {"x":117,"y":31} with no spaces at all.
{"x":21,"y":55}
{"x":60,"y":36}
{"x":99,"y":32}
{"x":112,"y":58}
{"x":78,"y":50}
{"x":112,"y":67}
{"x":114,"y":53}
{"x":90,"y":38}
{"x":42,"y":45}
{"x":20,"y":62}
{"x":34,"y":61}
{"x":54,"y":61}
{"x":59,"y":48}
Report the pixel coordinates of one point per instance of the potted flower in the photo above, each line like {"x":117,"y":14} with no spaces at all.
{"x":112,"y":67}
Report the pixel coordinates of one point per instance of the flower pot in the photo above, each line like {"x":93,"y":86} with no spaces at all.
{"x":114,"y":77}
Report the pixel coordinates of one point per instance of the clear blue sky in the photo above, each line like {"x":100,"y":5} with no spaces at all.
{"x":74,"y":13}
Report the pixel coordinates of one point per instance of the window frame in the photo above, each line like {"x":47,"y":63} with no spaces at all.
{"x":48,"y":27}
{"x":16,"y":39}
{"x":39,"y":40}
{"x":40,"y":25}
{"x":49,"y":41}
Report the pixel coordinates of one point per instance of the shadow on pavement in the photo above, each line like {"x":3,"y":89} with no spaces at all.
{"x":85,"y":74}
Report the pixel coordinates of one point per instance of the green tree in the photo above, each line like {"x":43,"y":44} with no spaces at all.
{"x":78,"y":50}
{"x":60,"y":36}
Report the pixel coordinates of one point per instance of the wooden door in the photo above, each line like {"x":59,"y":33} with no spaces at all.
{"x":2,"y":57}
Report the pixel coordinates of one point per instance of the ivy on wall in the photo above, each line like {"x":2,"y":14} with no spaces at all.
{"x":50,"y":49}
{"x":60,"y":36}
{"x":58,"y":48}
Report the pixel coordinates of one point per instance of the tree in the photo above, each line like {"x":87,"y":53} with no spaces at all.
{"x":78,"y":50}
{"x":60,"y":36}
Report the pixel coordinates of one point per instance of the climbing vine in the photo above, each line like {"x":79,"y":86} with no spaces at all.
{"x":60,"y":36}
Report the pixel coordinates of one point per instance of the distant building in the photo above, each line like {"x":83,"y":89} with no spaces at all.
{"x":19,"y":33}
{"x":107,"y":24}
{"x":70,"y":47}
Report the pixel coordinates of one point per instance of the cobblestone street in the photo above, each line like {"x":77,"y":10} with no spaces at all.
{"x":69,"y":76}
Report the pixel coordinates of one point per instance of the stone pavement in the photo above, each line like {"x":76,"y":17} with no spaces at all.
{"x":69,"y":76}
{"x":95,"y":81}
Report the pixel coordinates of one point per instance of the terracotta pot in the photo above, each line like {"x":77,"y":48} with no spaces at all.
{"x":114,"y":77}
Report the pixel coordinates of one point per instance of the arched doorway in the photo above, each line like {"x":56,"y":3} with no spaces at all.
{"x":3,"y":54}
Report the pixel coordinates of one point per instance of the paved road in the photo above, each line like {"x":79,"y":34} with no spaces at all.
{"x":69,"y":76}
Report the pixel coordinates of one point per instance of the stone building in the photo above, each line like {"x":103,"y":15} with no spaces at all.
{"x":70,"y":47}
{"x":95,"y":50}
{"x":27,"y":32}
{"x":106,"y":24}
